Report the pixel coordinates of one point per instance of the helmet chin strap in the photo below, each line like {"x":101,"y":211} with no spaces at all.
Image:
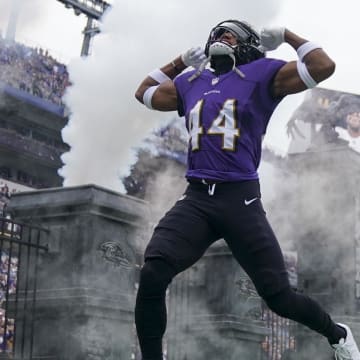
{"x":238,"y":71}
{"x":199,"y":70}
{"x":216,"y":49}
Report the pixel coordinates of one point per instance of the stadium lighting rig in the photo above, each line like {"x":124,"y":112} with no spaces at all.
{"x":93,"y":10}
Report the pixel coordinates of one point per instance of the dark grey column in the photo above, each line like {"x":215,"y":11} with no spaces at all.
{"x":86,"y":282}
{"x":214,"y":311}
{"x":326,"y":229}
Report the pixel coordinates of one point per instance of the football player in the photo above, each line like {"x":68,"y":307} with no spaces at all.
{"x":227,"y":106}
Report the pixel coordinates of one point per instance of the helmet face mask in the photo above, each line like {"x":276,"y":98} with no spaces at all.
{"x":248,"y":40}
{"x":228,"y":26}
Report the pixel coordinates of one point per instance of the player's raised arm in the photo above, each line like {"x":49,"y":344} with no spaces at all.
{"x":313,"y":64}
{"x":157,"y":91}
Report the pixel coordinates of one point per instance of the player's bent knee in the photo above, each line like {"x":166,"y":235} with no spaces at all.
{"x":281,"y":302}
{"x":155,"y":276}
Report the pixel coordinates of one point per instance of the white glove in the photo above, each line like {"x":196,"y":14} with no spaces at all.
{"x":193,"y":57}
{"x":271,"y":38}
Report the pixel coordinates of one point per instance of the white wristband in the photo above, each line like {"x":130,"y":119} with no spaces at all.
{"x":148,"y":94}
{"x":305,"y":48}
{"x":305,"y":75}
{"x":158,"y":76}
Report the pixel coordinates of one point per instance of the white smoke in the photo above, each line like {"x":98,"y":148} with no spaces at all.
{"x":106,"y":121}
{"x":44,"y":24}
{"x":26,"y":13}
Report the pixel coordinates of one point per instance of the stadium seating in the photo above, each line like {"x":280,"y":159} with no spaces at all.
{"x":33,"y":71}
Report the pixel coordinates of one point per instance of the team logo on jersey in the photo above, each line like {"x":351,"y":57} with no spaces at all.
{"x":214,"y":81}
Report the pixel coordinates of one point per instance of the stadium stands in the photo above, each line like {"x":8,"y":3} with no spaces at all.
{"x":32,"y":115}
{"x":33,"y":71}
{"x":8,"y":279}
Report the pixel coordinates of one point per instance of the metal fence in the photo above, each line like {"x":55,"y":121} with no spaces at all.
{"x":280,"y":344}
{"x":21,"y":246}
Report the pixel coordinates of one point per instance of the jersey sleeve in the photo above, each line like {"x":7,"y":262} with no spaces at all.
{"x":270,"y":67}
{"x":182,"y":85}
{"x":262,"y":73}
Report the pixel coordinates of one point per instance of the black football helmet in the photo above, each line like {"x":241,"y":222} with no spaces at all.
{"x":248,"y":40}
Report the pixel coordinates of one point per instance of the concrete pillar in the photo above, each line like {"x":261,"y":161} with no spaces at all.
{"x":86,"y":282}
{"x":86,"y":292}
{"x":214,"y":311}
{"x":326,"y":230}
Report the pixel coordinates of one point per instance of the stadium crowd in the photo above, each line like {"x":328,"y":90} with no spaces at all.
{"x":8,"y":272}
{"x":32,"y":70}
{"x":8,"y":276}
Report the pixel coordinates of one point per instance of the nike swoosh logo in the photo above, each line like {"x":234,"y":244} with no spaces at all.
{"x":248,"y":202}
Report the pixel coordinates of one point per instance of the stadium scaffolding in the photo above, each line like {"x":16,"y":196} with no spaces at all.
{"x":93,"y":9}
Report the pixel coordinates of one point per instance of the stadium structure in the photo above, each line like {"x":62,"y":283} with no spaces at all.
{"x":70,"y":256}
{"x":32,"y":114}
{"x":30,"y":139}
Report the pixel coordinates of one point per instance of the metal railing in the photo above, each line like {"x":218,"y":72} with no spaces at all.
{"x":281,"y":341}
{"x":21,"y":246}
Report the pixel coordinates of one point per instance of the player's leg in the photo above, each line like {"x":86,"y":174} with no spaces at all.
{"x":179,"y":240}
{"x":256,"y":248}
{"x":150,"y":308}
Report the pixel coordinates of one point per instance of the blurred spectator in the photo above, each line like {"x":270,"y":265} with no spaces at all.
{"x":290,"y":352}
{"x":8,"y":277}
{"x":352,"y":131}
{"x":33,"y":71}
{"x":346,"y":112}
{"x":5,"y":195}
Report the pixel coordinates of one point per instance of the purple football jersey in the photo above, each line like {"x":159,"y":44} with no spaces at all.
{"x":226,"y":117}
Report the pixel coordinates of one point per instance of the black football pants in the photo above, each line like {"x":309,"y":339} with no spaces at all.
{"x":235,"y":213}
